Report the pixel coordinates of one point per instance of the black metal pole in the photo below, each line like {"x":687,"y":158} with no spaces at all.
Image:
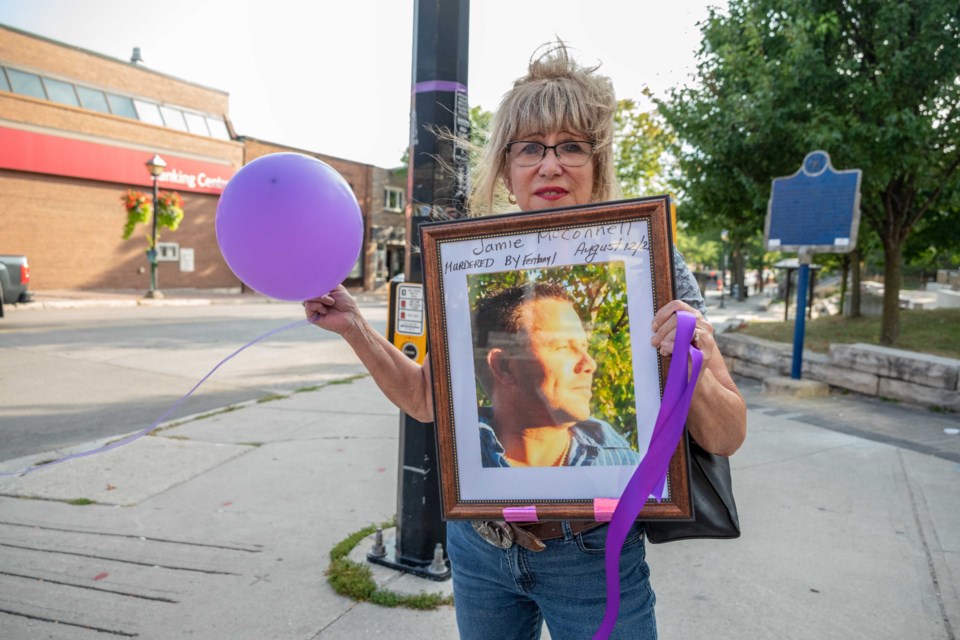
{"x":438,"y":103}
{"x":152,"y":255}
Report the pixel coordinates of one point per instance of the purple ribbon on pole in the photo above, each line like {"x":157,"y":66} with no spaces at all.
{"x":439,"y":85}
{"x":651,"y":472}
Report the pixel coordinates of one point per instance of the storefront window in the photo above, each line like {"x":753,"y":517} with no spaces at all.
{"x":92,"y":99}
{"x":357,"y":271}
{"x":218,"y":128}
{"x":76,"y":95}
{"x":121,"y":106}
{"x":60,"y":91}
{"x":148,"y":112}
{"x":196,"y":123}
{"x":173,"y":118}
{"x":27,"y":84}
{"x":382,"y":272}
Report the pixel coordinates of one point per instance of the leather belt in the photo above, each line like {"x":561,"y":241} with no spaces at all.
{"x":553,"y":530}
{"x":529,"y":535}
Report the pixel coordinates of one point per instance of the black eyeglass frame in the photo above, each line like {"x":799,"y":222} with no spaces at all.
{"x":556,"y":152}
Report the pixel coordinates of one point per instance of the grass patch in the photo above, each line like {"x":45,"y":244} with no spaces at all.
{"x":932,"y":331}
{"x":348,"y":379}
{"x":315,"y":387}
{"x":81,"y":502}
{"x":935,"y":408}
{"x":354,"y":580}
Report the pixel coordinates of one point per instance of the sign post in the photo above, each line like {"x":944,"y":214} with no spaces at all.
{"x":816,"y":209}
{"x":799,"y":328}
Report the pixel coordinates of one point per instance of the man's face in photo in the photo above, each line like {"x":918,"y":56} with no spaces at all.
{"x":556,"y":368}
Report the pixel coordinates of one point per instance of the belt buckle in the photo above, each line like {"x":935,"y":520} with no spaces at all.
{"x":496,"y":533}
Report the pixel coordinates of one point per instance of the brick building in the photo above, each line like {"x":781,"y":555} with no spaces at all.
{"x":76,"y":129}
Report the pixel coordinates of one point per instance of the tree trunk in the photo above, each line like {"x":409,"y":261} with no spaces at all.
{"x":855,"y":277}
{"x":890,"y":323}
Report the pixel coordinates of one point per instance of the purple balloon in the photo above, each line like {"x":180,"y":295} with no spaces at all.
{"x":289,"y":226}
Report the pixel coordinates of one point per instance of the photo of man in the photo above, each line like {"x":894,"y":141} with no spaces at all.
{"x":533,"y":362}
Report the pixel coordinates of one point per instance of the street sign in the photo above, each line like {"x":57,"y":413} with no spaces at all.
{"x":816,"y":210}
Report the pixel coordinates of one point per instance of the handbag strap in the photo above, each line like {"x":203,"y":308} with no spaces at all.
{"x":667,"y":430}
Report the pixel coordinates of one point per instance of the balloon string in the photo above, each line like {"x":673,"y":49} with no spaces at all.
{"x":139,"y":434}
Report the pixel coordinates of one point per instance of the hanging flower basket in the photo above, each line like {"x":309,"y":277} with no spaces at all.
{"x":169,"y":210}
{"x":139,"y":208}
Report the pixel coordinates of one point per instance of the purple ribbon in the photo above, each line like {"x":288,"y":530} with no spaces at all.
{"x":156,"y":423}
{"x":651,"y":472}
{"x":439,"y":85}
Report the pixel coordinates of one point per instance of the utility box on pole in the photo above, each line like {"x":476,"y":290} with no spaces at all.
{"x":437,"y":188}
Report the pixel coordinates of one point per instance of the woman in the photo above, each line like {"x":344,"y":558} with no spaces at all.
{"x":550,"y":146}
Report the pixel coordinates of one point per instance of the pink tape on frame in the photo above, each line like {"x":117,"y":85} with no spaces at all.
{"x":520,"y":514}
{"x":603,"y":508}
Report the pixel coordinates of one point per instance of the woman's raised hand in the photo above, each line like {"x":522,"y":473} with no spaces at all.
{"x":337,"y":311}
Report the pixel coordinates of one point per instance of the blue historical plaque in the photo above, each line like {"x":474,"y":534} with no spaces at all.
{"x":816,"y":210}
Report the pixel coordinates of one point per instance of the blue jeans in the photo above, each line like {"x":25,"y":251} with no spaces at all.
{"x":507,"y":594}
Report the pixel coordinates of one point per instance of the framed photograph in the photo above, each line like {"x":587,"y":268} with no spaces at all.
{"x":546,"y":387}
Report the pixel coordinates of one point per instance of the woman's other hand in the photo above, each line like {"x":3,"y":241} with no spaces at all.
{"x":665,"y":331}
{"x":718,"y":414}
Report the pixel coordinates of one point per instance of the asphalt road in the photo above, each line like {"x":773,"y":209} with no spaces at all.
{"x":75,"y":375}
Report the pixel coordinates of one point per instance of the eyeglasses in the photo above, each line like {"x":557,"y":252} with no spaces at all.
{"x":573,"y":153}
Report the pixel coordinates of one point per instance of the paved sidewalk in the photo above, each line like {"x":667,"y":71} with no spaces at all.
{"x":221,"y":528}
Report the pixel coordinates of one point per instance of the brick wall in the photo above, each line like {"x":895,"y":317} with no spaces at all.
{"x":57,"y":59}
{"x":70,"y":230}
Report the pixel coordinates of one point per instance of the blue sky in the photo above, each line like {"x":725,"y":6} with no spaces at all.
{"x":334,"y":77}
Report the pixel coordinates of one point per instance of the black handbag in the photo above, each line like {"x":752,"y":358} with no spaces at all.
{"x":711,"y":493}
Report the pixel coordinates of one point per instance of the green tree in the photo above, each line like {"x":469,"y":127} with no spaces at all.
{"x":480,"y":121}
{"x":697,"y":249}
{"x":935,"y":243}
{"x":640,"y":146}
{"x":873,"y":83}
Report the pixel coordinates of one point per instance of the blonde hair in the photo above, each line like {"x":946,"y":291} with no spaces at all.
{"x":557,"y":94}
